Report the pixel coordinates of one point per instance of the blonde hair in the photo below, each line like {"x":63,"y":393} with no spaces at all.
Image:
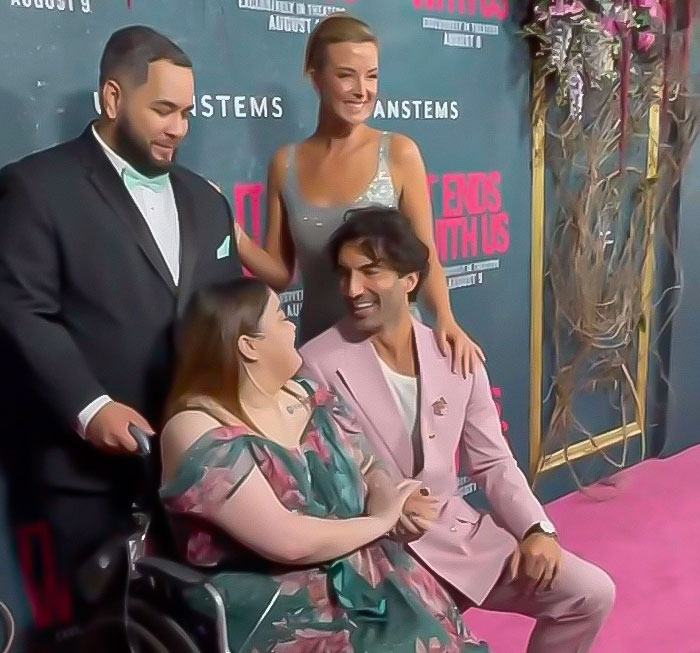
{"x":335,"y":28}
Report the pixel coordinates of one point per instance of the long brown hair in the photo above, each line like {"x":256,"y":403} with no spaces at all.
{"x":336,"y":28}
{"x":208,"y":360}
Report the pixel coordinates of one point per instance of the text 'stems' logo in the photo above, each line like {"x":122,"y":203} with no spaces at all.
{"x":85,"y":6}
{"x":460,"y":21}
{"x":471,"y":224}
{"x":228,"y":105}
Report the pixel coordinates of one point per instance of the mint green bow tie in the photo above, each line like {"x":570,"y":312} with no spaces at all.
{"x":133,"y":179}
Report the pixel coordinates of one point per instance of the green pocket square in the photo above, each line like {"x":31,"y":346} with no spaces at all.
{"x":224,"y":249}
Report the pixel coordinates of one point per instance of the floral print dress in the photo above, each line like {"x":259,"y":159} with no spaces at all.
{"x":375,"y":600}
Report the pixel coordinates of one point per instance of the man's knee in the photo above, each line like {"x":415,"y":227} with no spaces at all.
{"x":599,"y":594}
{"x":587,"y":591}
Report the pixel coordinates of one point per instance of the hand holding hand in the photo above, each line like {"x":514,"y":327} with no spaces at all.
{"x":386,"y":499}
{"x":419,"y":513}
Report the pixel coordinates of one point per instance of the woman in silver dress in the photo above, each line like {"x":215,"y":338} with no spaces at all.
{"x":345,"y":164}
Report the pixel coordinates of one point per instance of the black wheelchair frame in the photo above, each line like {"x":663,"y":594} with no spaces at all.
{"x":138,"y":599}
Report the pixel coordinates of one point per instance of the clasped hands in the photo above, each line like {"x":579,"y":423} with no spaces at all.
{"x":419,"y":512}
{"x":419,"y":508}
{"x":535,"y":561}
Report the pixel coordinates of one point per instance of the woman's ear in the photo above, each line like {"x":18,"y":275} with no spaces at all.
{"x":247,"y":348}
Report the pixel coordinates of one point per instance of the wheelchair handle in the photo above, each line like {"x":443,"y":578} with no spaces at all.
{"x":142,"y":440}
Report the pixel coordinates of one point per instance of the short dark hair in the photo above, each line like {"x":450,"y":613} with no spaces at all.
{"x":130,"y":50}
{"x":385,"y":235}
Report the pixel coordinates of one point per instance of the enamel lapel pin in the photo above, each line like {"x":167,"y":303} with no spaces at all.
{"x":440,"y":407}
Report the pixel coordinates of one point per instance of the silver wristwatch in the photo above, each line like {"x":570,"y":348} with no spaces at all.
{"x":545,"y":527}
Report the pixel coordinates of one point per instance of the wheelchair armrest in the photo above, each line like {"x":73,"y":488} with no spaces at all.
{"x":175,"y":577}
{"x":170,"y":572}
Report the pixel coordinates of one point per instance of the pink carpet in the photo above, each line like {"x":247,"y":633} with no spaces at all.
{"x":646,"y":534}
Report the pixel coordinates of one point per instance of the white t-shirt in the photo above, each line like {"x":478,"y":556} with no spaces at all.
{"x":405,"y":391}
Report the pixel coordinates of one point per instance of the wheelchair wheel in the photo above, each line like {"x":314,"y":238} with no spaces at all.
{"x":147,"y":631}
{"x":151,"y":625}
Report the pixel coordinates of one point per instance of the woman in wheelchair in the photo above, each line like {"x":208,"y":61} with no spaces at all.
{"x":267,"y":483}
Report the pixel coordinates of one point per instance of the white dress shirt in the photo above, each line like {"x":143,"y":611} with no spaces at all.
{"x":159,"y":210}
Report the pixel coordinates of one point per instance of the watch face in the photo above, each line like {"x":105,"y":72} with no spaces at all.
{"x":547,"y":527}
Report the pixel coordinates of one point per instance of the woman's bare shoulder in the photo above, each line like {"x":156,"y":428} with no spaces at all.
{"x":179,"y":434}
{"x":403,"y":147}
{"x":183,"y":429}
{"x":280,"y":162}
{"x":282,"y":153}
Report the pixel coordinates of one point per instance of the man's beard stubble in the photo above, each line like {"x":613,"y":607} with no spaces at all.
{"x":137,"y":153}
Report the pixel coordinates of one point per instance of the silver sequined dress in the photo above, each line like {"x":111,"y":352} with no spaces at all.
{"x":311,"y":227}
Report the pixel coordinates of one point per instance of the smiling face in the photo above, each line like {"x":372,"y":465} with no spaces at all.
{"x":348,"y":80}
{"x":376,"y":295}
{"x":151,"y":119}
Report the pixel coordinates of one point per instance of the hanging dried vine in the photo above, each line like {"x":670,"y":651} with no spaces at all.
{"x":602,"y":67}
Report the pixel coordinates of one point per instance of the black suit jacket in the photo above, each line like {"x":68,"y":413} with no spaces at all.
{"x":87,"y":304}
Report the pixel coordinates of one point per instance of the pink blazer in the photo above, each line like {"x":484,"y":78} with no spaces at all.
{"x":464,"y":547}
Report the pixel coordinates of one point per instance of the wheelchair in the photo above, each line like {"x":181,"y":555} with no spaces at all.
{"x":139,"y":600}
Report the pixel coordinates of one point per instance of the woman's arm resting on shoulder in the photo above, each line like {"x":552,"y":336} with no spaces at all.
{"x":415,"y":205}
{"x":273,"y":264}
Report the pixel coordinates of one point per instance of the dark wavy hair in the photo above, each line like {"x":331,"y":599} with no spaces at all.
{"x":384,"y":235}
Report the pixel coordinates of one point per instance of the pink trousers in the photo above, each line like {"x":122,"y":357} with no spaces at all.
{"x":569,"y":615}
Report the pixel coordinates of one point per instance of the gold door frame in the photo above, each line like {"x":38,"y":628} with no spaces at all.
{"x":539,"y":463}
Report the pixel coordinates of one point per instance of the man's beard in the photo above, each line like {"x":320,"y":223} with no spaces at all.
{"x":137,"y":153}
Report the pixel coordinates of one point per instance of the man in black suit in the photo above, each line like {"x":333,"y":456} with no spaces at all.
{"x":103,"y":240}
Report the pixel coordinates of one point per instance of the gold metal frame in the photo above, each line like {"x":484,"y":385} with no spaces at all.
{"x":538,"y":462}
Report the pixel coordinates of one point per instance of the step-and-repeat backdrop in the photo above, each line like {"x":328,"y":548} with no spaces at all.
{"x":454,"y":76}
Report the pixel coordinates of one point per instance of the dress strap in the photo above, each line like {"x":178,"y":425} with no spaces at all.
{"x":291,"y":184}
{"x":384,"y":145}
{"x":209,"y":406}
{"x":291,"y":162}
{"x":306,"y":385}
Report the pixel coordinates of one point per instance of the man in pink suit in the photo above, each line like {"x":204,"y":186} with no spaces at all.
{"x":416,"y":413}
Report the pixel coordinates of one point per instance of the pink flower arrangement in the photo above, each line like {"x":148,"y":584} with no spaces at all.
{"x":645,"y":41}
{"x":566,"y":8}
{"x":653,"y":6}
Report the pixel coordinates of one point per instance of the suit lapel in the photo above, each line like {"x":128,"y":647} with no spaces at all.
{"x":430,"y":383}
{"x":110,"y":187}
{"x":188,"y":239}
{"x":362,"y":375}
